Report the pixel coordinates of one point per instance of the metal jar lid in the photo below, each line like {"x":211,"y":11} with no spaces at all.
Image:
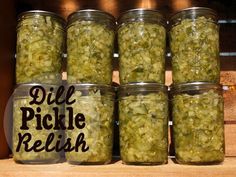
{"x":92,"y":15}
{"x":37,"y":13}
{"x":23,"y":89}
{"x":145,"y":15}
{"x":141,"y":87}
{"x":193,"y":13}
{"x":194,"y":86}
{"x":104,"y":89}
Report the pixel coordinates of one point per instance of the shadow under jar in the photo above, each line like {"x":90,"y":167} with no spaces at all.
{"x":34,"y":125}
{"x":96,"y":103}
{"x":143,"y":121}
{"x":142,"y":43}
{"x":90,"y":44}
{"x":198,"y":123}
{"x":194,"y":43}
{"x":40,"y":42}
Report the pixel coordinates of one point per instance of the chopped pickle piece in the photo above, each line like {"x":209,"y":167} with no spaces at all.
{"x":198,"y":126}
{"x":98,"y":131}
{"x":42,"y":135}
{"x":90,"y":53}
{"x":144,"y":128}
{"x":195,"y":51}
{"x":39,"y":50}
{"x":142,"y":52}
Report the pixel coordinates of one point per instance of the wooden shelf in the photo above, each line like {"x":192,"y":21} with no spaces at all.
{"x":8,"y":168}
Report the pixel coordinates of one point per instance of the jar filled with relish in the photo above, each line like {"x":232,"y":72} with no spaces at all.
{"x":198,"y":123}
{"x":39,"y":49}
{"x":143,"y":123}
{"x":194,"y":44}
{"x":90,"y":43}
{"x":142,"y":43}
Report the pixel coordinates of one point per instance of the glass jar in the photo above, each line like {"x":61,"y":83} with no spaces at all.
{"x":143,"y":121}
{"x":198,"y":123}
{"x":142,"y":42}
{"x":90,"y":43}
{"x":40,"y":41}
{"x":28,"y":125}
{"x":96,"y":104}
{"x":194,"y":43}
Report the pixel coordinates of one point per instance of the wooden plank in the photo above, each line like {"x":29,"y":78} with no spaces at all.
{"x":228,"y":77}
{"x":168,"y":79}
{"x":230,"y":140}
{"x":115,"y":77}
{"x":230,"y":104}
{"x":117,"y":169}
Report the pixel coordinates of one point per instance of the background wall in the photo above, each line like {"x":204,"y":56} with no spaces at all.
{"x":7,"y":51}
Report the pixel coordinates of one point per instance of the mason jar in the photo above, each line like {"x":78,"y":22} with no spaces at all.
{"x":90,"y":43}
{"x":142,"y":43}
{"x":198,"y":123}
{"x":95,"y":103}
{"x":28,"y":125}
{"x":194,"y":43}
{"x":40,"y":42}
{"x":143,"y":121}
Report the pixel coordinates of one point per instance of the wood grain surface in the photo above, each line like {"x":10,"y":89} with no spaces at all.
{"x":230,"y":104}
{"x":10,"y":169}
{"x":230,"y":140}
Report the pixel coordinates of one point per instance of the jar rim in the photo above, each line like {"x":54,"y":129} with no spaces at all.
{"x":182,"y":87}
{"x":43,"y":13}
{"x":86,"y":86}
{"x":192,"y":13}
{"x":88,"y":15}
{"x":20,"y":89}
{"x":142,"y":13}
{"x":141,"y":87}
{"x":34,"y":84}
